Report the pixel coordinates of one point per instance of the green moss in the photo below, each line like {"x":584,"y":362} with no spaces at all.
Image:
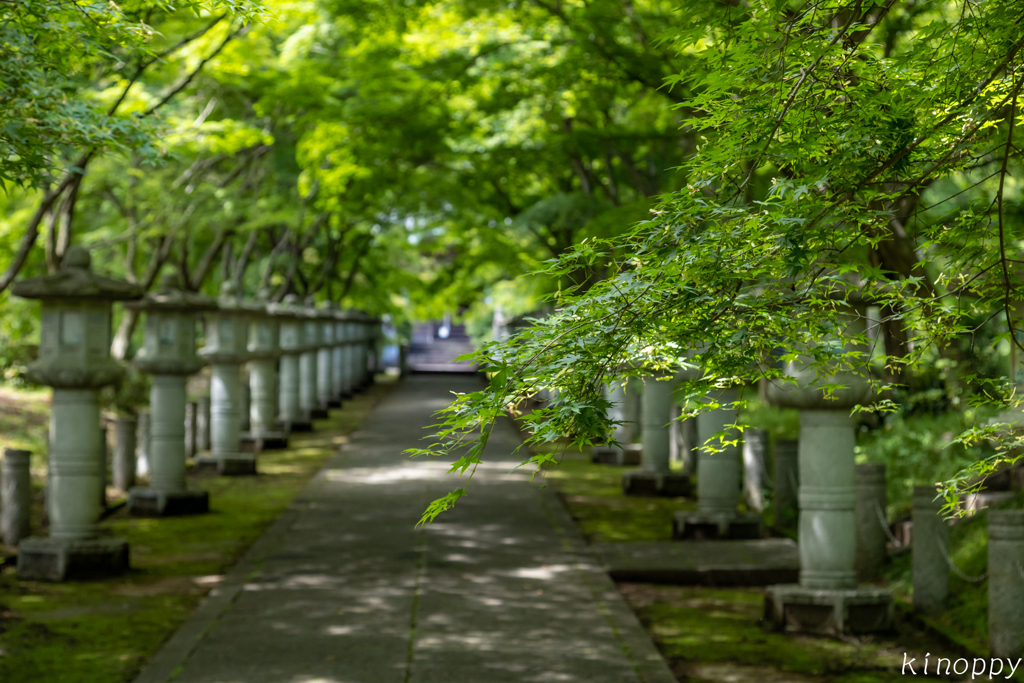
{"x":714,"y":634}
{"x":104,"y":631}
{"x":593,"y":494}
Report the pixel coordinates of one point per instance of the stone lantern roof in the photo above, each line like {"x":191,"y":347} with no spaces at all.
{"x":264,"y":335}
{"x":293,"y":318}
{"x":75,"y":346}
{"x":310,"y":314}
{"x":169,"y":347}
{"x":171,"y":297}
{"x":228,"y":327}
{"x":808,"y":392}
{"x":76,"y":281}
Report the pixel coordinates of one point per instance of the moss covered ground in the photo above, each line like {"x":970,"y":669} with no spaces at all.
{"x":104,"y":631}
{"x":712,"y":634}
{"x":593,"y":494}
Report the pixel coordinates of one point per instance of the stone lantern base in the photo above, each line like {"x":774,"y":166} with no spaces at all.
{"x":833,"y":611}
{"x":54,"y":559}
{"x":614,"y":455}
{"x":647,"y":483}
{"x":300,"y":426}
{"x":709,"y":526}
{"x":227,"y":464}
{"x":145,"y":502}
{"x":316,"y":414}
{"x":268,"y":441}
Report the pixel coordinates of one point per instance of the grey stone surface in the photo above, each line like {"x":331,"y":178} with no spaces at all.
{"x":721,"y":563}
{"x":787,"y":483}
{"x":123,"y":461}
{"x":56,"y":559}
{"x":834,"y":611}
{"x":143,"y":443}
{"x":203,"y":423}
{"x":709,"y":526}
{"x":191,"y":410}
{"x":1005,"y":584}
{"x":930,"y":549}
{"x":344,"y":587}
{"x":871,"y":521}
{"x":755,"y":446}
{"x":15,"y":496}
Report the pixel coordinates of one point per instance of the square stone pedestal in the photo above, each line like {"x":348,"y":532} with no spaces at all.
{"x":270,"y":441}
{"x":318,"y":414}
{"x":231,"y":465}
{"x":51,"y":559}
{"x":833,"y":611}
{"x":612,"y":455}
{"x":145,"y":502}
{"x":644,"y":483}
{"x":301,"y":426}
{"x":334,"y":403}
{"x":703,"y":526}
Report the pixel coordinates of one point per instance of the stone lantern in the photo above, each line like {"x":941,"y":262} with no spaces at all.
{"x":362,"y":377}
{"x":227,"y":333}
{"x":309,"y":395}
{"x":264,"y":349}
{"x":624,"y":409}
{"x":74,"y":359}
{"x":655,"y":477}
{"x":293,"y":344}
{"x":827,"y":598}
{"x":325,"y":358}
{"x":340,"y":353}
{"x":168,"y":354}
{"x":376,"y":334}
{"x":352,"y":341}
{"x":718,"y":479}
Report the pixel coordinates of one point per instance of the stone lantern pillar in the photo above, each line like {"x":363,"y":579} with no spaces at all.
{"x":376,"y":338}
{"x":168,"y":354}
{"x":338,"y":358}
{"x":361,"y":377}
{"x":351,"y":378}
{"x":74,"y":359}
{"x":655,"y":478}
{"x":1005,"y":586}
{"x":622,"y":396}
{"x":293,"y":343}
{"x":325,"y":359}
{"x":264,"y":349}
{"x":827,"y":598}
{"x":227,"y":333}
{"x":718,"y":479}
{"x":309,"y":395}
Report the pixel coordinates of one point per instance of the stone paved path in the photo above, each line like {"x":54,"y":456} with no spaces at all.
{"x":344,"y":589}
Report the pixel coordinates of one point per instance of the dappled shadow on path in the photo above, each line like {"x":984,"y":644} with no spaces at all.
{"x":355,"y":593}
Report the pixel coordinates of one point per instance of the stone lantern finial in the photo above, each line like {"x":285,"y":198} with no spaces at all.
{"x":77,"y":257}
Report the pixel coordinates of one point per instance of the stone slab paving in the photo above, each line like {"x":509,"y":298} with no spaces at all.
{"x":344,"y":589}
{"x":759,"y":562}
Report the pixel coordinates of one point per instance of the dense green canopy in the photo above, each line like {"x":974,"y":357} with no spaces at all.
{"x":706,"y":180}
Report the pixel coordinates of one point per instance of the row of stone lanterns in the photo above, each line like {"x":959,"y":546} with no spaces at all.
{"x":75,"y":360}
{"x":827,"y":596}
